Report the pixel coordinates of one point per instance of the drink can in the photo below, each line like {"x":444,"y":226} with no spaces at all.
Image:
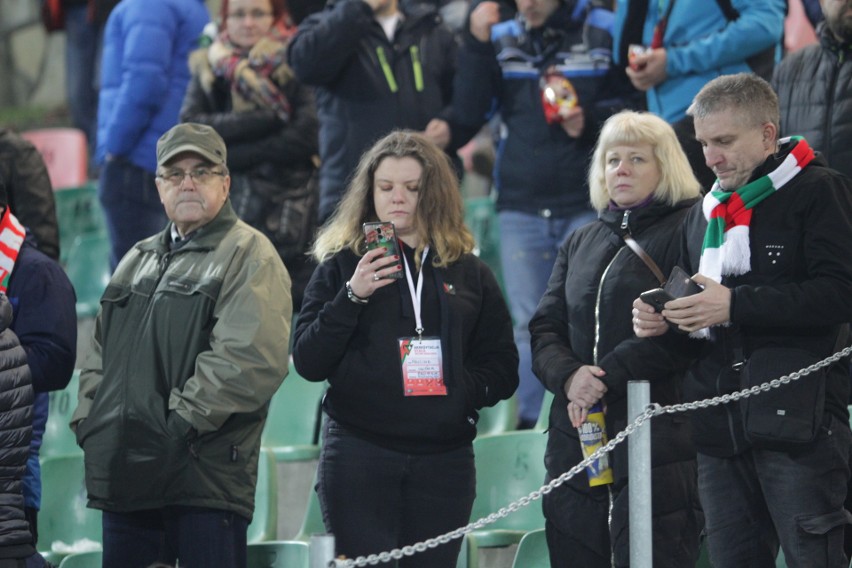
{"x":592,"y":437}
{"x":633,"y":50}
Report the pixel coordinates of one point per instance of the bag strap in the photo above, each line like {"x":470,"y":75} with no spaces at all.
{"x":640,"y":252}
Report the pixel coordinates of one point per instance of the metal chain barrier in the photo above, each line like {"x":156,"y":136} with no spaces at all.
{"x":652,"y":410}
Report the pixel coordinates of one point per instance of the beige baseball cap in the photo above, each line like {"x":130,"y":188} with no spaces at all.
{"x":191,"y":137}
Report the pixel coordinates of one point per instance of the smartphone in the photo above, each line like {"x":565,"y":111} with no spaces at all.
{"x":678,"y":285}
{"x":382,"y":234}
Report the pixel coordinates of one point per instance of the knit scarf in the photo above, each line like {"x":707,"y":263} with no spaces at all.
{"x":256,"y":75}
{"x":726,"y":250}
{"x":12,"y":235}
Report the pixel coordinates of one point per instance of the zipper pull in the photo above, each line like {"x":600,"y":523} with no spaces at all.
{"x":624,"y":220}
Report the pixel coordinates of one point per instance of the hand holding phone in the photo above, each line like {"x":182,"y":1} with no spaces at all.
{"x":678,"y":285}
{"x":382,"y":234}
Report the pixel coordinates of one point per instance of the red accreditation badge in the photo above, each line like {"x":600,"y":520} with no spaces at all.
{"x":422,"y":366}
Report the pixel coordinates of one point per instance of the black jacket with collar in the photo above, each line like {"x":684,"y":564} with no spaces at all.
{"x":340,"y":50}
{"x":356,"y":348}
{"x":585,"y":314}
{"x":797,"y":294}
{"x":814,"y":87}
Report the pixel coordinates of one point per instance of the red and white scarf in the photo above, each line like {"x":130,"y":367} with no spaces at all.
{"x":726,"y":250}
{"x":12,"y":235}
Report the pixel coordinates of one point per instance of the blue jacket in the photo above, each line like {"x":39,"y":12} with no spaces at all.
{"x":45,"y":321}
{"x":702,"y":44}
{"x":144,"y":75}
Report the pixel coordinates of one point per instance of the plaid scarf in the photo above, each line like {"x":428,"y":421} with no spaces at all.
{"x":258,"y":75}
{"x":12,"y":235}
{"x":726,"y":250}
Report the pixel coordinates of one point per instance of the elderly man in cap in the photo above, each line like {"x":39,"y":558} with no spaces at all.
{"x":190,"y":344}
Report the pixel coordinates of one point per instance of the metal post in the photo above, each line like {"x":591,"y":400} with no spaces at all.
{"x":639,"y":476}
{"x":321,"y":550}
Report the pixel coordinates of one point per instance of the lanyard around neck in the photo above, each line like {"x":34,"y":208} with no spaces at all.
{"x":416,"y":293}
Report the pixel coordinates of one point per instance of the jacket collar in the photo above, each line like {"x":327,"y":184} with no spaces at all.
{"x":205,"y":238}
{"x":830,"y":43}
{"x":641,"y":218}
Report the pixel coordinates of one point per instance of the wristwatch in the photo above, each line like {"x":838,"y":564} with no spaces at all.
{"x":354,"y":297}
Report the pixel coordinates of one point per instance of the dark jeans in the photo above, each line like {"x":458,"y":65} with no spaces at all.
{"x":375,"y":500}
{"x":198,"y":537}
{"x":582,"y":529}
{"x":761,"y":498}
{"x":131,"y":206}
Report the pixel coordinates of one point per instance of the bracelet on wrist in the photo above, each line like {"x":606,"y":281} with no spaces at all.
{"x":353,"y":297}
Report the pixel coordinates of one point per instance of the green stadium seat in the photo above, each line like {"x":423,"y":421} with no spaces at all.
{"x":78,"y":212}
{"x":502,"y":417}
{"x":312,"y":522}
{"x":58,"y":438}
{"x":508,"y":467}
{"x":532,"y":551}
{"x":480,"y":216}
{"x":292,"y":434}
{"x":87,"y":266}
{"x":91,"y":559}
{"x":264,"y":523}
{"x":64,"y":516}
{"x":292,"y":427}
{"x":543,"y":421}
{"x":278,"y":554}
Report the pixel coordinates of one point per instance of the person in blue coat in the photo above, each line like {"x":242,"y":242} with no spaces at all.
{"x":693,"y":42}
{"x":144,"y":75}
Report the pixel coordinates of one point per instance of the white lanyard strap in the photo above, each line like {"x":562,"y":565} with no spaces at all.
{"x":416,"y":295}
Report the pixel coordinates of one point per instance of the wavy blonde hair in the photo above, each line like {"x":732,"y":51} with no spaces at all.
{"x":677,"y":181}
{"x":439,"y":217}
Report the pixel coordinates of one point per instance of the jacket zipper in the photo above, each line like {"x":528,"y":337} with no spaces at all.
{"x":829,"y":107}
{"x":598,"y":305}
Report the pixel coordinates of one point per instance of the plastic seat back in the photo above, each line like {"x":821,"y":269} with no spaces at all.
{"x":58,"y":438}
{"x":278,"y":554}
{"x":64,"y":152}
{"x":508,"y":467}
{"x":88,"y":268}
{"x":64,"y":516}
{"x":502,"y":417}
{"x":532,"y":551}
{"x":312,"y":523}
{"x":480,"y":215}
{"x":93,"y":559}
{"x":292,"y":426}
{"x":544,"y":414}
{"x":78,"y":212}
{"x":264,"y":523}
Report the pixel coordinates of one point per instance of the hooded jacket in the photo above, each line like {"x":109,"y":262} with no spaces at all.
{"x":16,"y":401}
{"x":814,"y":87}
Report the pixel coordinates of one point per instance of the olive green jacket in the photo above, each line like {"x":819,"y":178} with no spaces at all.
{"x":190,"y":345}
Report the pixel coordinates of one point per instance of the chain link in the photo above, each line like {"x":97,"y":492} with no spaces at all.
{"x":652,"y":410}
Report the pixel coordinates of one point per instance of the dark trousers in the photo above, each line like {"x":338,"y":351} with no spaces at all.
{"x":131,"y":205}
{"x":588,"y":526}
{"x":758,"y":499}
{"x":197,"y":537}
{"x":375,"y":500}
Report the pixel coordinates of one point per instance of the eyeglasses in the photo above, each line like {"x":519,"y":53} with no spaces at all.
{"x":255,"y":15}
{"x":200,"y":176}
